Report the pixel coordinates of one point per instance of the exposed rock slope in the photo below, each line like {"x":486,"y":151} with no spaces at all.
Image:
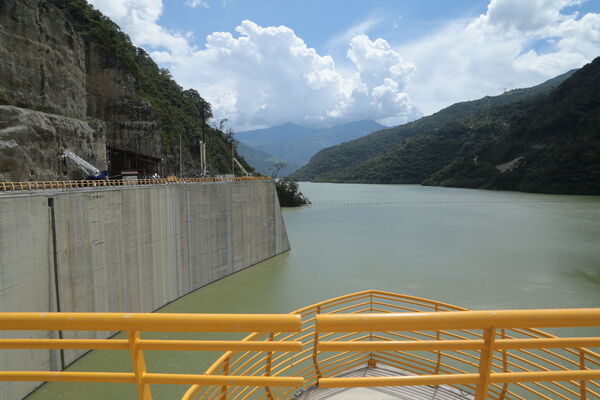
{"x":43,"y":58}
{"x":31,"y":143}
{"x":65,"y":58}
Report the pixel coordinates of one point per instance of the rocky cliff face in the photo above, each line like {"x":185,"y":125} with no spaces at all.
{"x":66,"y":59}
{"x":32,"y":142}
{"x":49,"y":67}
{"x":43,"y":59}
{"x":132,"y":124}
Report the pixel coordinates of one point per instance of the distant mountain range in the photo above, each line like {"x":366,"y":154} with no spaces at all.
{"x":541,"y":139}
{"x":266,"y":163}
{"x":295,"y":145}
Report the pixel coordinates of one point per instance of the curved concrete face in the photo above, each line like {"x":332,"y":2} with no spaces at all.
{"x":124,"y":250}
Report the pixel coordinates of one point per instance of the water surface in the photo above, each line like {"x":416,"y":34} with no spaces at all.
{"x":472,"y":248}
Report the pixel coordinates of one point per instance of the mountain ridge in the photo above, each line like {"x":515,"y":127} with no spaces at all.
{"x":547,"y":141}
{"x":297,"y":144}
{"x":265,"y":163}
{"x":342,"y":157}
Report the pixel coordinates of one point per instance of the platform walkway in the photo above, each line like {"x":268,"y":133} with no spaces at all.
{"x":425,"y":392}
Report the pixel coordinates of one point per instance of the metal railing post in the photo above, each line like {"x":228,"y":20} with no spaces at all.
{"x":372,"y":363}
{"x":439,"y":352}
{"x":582,"y":387}
{"x":485,"y":363}
{"x":504,"y":366}
{"x":225,"y":372}
{"x":269,"y":360}
{"x":316,"y":347}
{"x":139,"y":366}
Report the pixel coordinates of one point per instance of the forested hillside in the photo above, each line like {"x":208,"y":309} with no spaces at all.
{"x":542,"y":139}
{"x":550,"y":145}
{"x":180,"y":112}
{"x":334,"y":163}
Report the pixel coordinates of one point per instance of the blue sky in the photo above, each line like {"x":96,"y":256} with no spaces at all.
{"x":318,"y":21}
{"x":316,"y":62}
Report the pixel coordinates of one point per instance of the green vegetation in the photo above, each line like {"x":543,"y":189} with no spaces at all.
{"x":333,"y":164}
{"x":288,"y":193}
{"x":543,"y":139}
{"x":553,"y":141}
{"x":181,"y":112}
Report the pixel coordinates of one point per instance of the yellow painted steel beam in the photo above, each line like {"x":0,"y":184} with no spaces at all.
{"x":218,"y":345}
{"x":90,"y":344}
{"x":151,"y":322}
{"x":150,"y":378}
{"x":545,"y":376}
{"x":434,"y":345}
{"x":219,"y":380}
{"x":52,"y":376}
{"x":459,"y":379}
{"x":546,"y":343}
{"x":458,"y":320}
{"x":392,"y":345}
{"x":139,"y":365}
{"x":405,"y":380}
{"x":485,"y":364}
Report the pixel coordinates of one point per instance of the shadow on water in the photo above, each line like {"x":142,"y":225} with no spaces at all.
{"x":585,"y":275}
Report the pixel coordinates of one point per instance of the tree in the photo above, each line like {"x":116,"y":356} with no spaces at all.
{"x":276,"y":168}
{"x":222,"y":124}
{"x":288,"y":193}
{"x":204,"y":108}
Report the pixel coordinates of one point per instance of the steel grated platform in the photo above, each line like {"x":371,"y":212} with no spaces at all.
{"x":441,"y":392}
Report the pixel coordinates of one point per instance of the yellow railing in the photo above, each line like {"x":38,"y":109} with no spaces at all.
{"x":134,"y":324}
{"x":490,"y":354}
{"x":44,"y":185}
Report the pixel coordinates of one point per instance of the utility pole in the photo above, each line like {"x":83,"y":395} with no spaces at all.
{"x":232,"y":156}
{"x":203,"y":157}
{"x":180,"y":158}
{"x":203,"y":161}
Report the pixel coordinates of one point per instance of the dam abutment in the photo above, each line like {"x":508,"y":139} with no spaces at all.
{"x":124,"y":249}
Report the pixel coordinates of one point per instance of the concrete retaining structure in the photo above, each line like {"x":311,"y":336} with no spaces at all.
{"x":131,"y":249}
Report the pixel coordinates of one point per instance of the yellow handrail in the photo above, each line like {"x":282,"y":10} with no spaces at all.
{"x":150,"y":322}
{"x":425,"y":345}
{"x":69,"y":184}
{"x":490,"y":354}
{"x":488,"y":321}
{"x":558,"y":318}
{"x":133,"y":324}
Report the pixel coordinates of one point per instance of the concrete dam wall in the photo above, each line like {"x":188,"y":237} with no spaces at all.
{"x":131,"y":249}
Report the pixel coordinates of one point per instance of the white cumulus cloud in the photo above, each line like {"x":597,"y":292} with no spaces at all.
{"x":268,"y":75}
{"x":265,"y":75}
{"x":262,"y":76}
{"x":514,"y":44}
{"x":196,"y":3}
{"x":139,"y":19}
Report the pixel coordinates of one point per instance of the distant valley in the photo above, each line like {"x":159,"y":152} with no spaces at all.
{"x":266,"y":163}
{"x":294,"y":145}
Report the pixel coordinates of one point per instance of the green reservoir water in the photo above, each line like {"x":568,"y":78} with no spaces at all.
{"x":472,"y":248}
